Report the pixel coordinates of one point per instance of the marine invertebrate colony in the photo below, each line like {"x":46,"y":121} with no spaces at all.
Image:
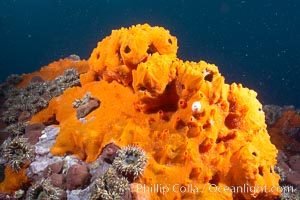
{"x":17,"y":152}
{"x":130,"y":161}
{"x":43,"y":189}
{"x":110,"y":186}
{"x":198,"y":132}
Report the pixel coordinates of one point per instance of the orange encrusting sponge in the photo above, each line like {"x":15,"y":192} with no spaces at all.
{"x":14,"y":180}
{"x":201,"y":135}
{"x":118,"y":54}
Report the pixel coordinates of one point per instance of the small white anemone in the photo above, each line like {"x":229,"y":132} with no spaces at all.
{"x":196,"y":106}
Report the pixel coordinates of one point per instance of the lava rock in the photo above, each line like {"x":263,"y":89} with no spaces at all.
{"x":109,"y":152}
{"x":36,"y":79}
{"x":294,"y":162}
{"x":85,"y":109}
{"x":293,"y":178}
{"x":58,"y":180}
{"x":35,"y":127}
{"x":33,"y":132}
{"x":54,"y":168}
{"x":78,"y":177}
{"x":24,"y":116}
{"x":33,"y":137}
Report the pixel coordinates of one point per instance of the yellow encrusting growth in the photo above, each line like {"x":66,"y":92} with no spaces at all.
{"x":118,"y":54}
{"x":146,"y":95}
{"x":14,"y":180}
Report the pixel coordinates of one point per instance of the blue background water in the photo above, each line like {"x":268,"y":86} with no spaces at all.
{"x":253,"y":42}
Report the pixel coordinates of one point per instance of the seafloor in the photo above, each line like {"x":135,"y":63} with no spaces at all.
{"x":76,"y":129}
{"x":283,"y":126}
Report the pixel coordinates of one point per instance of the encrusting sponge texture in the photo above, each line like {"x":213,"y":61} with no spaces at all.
{"x":198,"y":132}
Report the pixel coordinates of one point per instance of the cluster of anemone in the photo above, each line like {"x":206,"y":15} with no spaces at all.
{"x":110,"y":186}
{"x":17,"y":152}
{"x":130,"y":162}
{"x":36,"y":95}
{"x":43,"y":189}
{"x":16,"y":128}
{"x":61,"y":83}
{"x":128,"y":165}
{"x":10,"y":82}
{"x":33,"y":98}
{"x":16,"y":195}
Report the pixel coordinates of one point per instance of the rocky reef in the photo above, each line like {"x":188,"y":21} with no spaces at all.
{"x":136,"y":122}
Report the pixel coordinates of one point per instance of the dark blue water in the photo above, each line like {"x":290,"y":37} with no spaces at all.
{"x":253,"y":42}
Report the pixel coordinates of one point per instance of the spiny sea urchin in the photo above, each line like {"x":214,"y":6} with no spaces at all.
{"x":130,"y":161}
{"x":17,"y":152}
